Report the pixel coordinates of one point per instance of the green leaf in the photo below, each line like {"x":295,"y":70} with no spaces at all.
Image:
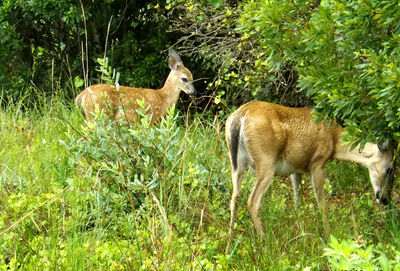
{"x":78,"y":82}
{"x":384,"y":262}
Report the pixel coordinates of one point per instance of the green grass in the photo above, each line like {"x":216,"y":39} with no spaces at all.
{"x":158,"y":199}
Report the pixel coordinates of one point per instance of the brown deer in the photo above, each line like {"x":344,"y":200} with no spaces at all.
{"x":122,"y":103}
{"x":279,"y":140}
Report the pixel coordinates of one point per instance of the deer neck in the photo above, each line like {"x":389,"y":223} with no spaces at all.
{"x":170,"y":91}
{"x":344,"y":152}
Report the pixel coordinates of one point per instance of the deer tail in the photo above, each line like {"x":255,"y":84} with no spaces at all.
{"x":234,"y":133}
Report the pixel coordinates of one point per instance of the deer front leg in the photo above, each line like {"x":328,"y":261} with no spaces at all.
{"x":296,"y":179}
{"x":317,"y":180}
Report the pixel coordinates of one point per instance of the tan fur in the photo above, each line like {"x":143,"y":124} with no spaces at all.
{"x":122,"y":103}
{"x":278,"y":140}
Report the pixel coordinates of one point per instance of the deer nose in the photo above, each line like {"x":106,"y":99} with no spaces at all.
{"x":383,"y":201}
{"x":193,"y":92}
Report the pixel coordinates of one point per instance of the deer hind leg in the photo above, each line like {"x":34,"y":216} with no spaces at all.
{"x":296,"y":179}
{"x":237,"y":177}
{"x":318,"y":180}
{"x":264,"y":178}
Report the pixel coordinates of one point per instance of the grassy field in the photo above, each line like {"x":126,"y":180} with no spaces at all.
{"x":140,"y":198}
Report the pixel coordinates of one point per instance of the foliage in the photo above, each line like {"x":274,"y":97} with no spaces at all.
{"x":109,"y":75}
{"x":348,"y":255}
{"x":138,"y":171}
{"x":74,"y":204}
{"x":136,"y":197}
{"x":209,"y":29}
{"x":44,"y":52}
{"x":343,"y":54}
{"x":346,"y":55}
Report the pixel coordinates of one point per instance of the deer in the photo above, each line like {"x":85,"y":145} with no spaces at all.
{"x":279,"y":141}
{"x":122,"y":103}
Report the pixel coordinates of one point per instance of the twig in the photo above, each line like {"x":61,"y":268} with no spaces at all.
{"x":52,"y":76}
{"x":86,"y":70}
{"x":301,"y":14}
{"x":122,"y":18}
{"x":108,"y":32}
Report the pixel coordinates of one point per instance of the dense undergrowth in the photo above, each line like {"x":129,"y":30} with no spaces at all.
{"x":157,"y":198}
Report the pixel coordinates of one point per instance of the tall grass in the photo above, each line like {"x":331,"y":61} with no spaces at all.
{"x":157,"y":198}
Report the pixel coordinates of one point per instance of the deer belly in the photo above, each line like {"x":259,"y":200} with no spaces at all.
{"x":283,"y":169}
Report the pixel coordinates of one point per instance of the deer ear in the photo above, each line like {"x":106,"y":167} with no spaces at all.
{"x":384,"y":146}
{"x":174,"y":59}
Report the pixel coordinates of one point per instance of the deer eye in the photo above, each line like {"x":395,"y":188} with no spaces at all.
{"x":185,"y":79}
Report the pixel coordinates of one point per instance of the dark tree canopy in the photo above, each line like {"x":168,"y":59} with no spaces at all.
{"x":43,"y":43}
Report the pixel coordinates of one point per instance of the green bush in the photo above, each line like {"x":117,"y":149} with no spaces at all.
{"x":132,"y":162}
{"x":349,"y":255}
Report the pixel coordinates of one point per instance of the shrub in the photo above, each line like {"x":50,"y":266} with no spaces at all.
{"x":349,"y":255}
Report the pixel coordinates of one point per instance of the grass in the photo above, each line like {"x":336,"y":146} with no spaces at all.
{"x":157,"y":198}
